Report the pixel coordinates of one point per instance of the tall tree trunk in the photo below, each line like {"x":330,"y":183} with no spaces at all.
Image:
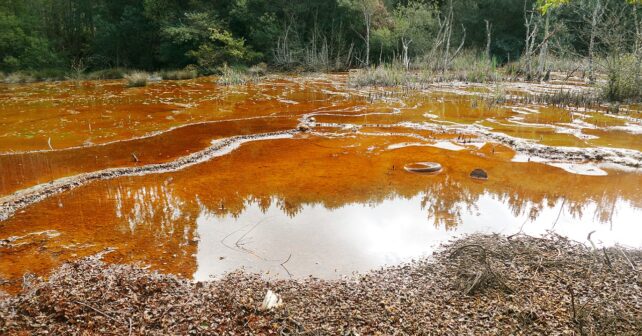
{"x":543,"y":51}
{"x":406,"y":60}
{"x":488,"y":38}
{"x":638,"y":45}
{"x":591,"y":50}
{"x":367,"y":17}
{"x":448,"y":33}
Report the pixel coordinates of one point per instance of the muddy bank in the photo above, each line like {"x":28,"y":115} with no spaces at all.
{"x":23,"y":198}
{"x":475,"y":285}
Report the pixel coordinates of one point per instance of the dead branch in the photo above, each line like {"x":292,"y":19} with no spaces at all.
{"x":98,"y":311}
{"x":606,"y":257}
{"x":627,"y":259}
{"x":589,"y":239}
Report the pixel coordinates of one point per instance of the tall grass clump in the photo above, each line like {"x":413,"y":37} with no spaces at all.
{"x":473,"y":66}
{"x":623,"y":82}
{"x":137,"y":79}
{"x":258,"y":70}
{"x":231,"y":76}
{"x":381,"y":75}
{"x":19,"y":78}
{"x":237,"y":76}
{"x":571,"y":65}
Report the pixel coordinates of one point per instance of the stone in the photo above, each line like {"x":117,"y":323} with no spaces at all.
{"x":479,"y":174}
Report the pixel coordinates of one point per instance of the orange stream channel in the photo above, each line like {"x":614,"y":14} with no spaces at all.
{"x":332,"y":201}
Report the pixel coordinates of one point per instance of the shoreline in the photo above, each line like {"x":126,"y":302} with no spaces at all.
{"x":477,"y":284}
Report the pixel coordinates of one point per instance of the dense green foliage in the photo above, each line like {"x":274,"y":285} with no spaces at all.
{"x":152,"y":34}
{"x":306,"y":34}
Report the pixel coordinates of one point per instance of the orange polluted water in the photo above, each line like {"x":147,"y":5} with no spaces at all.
{"x":325,"y":203}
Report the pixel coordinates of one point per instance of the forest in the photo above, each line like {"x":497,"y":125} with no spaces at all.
{"x":52,"y":38}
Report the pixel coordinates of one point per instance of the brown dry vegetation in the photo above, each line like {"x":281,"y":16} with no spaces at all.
{"x":476,"y":285}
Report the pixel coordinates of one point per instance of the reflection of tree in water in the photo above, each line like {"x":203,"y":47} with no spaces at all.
{"x":606,"y":207}
{"x":445,"y":201}
{"x":448,"y":200}
{"x":154,"y":210}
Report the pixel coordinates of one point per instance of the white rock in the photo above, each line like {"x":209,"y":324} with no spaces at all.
{"x":271,"y":300}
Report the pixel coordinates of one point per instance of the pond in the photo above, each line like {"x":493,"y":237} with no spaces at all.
{"x":298,"y":176}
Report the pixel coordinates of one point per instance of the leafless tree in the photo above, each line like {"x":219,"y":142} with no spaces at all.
{"x":489,"y":27}
{"x":442,"y":44}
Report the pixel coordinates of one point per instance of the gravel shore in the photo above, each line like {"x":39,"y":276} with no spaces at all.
{"x":479,"y":284}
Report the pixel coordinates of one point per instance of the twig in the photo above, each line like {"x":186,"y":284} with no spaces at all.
{"x":98,"y":311}
{"x":589,"y":239}
{"x":627,"y":258}
{"x":459,"y":249}
{"x":576,"y":318}
{"x":475,"y":282}
{"x":520,"y":230}
{"x":608,"y":260}
{"x":559,"y":213}
{"x":283,"y":265}
{"x":487,"y":265}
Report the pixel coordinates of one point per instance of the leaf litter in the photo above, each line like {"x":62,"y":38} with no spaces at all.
{"x":478,"y":284}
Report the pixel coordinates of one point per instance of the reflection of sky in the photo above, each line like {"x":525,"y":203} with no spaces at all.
{"x":359,"y":237}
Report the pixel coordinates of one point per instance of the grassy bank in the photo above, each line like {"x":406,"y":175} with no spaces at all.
{"x":485,"y":284}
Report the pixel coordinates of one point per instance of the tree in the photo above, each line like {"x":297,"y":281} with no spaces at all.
{"x":23,"y":44}
{"x":368,"y":9}
{"x":413,"y":22}
{"x":205,"y":42}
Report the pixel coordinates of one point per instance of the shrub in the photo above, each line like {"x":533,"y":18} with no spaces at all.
{"x":137,"y":79}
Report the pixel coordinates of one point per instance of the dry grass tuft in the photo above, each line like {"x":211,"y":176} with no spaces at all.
{"x":137,"y":79}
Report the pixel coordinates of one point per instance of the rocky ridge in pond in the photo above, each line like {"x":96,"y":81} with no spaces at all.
{"x":482,"y":284}
{"x":628,"y":158}
{"x":23,"y":198}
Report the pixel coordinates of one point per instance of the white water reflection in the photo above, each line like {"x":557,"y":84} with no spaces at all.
{"x":359,"y":237}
